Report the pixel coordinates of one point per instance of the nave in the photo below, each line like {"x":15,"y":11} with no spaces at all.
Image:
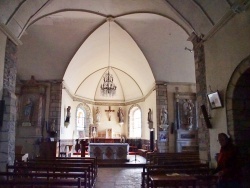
{"x":156,"y":170}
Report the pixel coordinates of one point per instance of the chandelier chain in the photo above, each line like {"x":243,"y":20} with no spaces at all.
{"x":108,"y":88}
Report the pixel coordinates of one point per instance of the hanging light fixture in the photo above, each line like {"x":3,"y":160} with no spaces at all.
{"x":108,"y":87}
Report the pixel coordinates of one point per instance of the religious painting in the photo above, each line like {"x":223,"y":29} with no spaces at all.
{"x":162,"y":136}
{"x":31,"y":105}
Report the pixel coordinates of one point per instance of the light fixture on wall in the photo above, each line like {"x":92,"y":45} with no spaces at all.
{"x":108,"y":87}
{"x":188,"y":49}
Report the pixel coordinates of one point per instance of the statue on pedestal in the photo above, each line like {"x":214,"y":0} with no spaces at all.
{"x":150,"y":116}
{"x":67,"y":120}
{"x":150,"y":122}
{"x":98,"y":115}
{"x":28,"y":109}
{"x":164,"y":116}
{"x":120,"y":115}
{"x":188,"y":106}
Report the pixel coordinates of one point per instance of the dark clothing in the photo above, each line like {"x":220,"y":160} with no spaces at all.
{"x":228,"y":167}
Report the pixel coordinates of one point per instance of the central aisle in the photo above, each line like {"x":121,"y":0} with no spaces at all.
{"x":128,"y":175}
{"x":118,"y":178}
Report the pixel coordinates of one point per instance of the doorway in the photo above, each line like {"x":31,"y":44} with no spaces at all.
{"x":238,"y":114}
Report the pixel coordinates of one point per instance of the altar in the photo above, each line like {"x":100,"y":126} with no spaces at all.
{"x":105,"y":151}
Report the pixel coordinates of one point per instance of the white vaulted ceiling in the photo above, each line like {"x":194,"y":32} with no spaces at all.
{"x":69,"y":41}
{"x":126,"y":61}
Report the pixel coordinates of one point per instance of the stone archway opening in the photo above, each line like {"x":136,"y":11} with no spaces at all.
{"x":241,"y":112}
{"x":238,"y":114}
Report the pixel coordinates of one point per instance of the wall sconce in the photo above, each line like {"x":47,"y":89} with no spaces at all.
{"x":188,"y":49}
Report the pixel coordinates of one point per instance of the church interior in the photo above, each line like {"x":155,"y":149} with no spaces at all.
{"x":106,"y":79}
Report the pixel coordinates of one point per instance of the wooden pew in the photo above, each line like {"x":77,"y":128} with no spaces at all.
{"x":45,"y":173}
{"x":171,"y":168}
{"x":152,"y":156}
{"x":77,"y":159}
{"x":201,"y":172}
{"x":21,"y":179}
{"x":72,"y":162}
{"x":68,"y":164}
{"x":161,"y":160}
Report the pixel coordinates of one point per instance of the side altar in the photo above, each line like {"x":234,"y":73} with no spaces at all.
{"x":105,"y":151}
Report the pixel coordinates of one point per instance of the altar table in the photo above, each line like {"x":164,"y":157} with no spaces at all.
{"x":106,"y":151}
{"x":172,"y":181}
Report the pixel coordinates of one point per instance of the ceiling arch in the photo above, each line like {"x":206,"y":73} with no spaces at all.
{"x":53,"y":31}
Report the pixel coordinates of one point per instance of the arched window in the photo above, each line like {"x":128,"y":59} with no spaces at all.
{"x":82,"y":123}
{"x":80,"y":119}
{"x":135,"y":122}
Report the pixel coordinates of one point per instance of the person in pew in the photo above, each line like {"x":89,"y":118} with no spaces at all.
{"x":228,"y":165}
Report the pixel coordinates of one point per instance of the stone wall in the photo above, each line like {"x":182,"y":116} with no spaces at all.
{"x":55,"y":106}
{"x":7,"y":131}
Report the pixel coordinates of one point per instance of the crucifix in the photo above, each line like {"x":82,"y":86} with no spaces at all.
{"x":109,"y":110}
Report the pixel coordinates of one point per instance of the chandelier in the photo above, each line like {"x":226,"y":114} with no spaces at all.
{"x":108,"y":87}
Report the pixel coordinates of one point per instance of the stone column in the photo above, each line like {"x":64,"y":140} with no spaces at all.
{"x":161,"y":101}
{"x":201,"y":93}
{"x":7,"y":131}
{"x":55,"y":105}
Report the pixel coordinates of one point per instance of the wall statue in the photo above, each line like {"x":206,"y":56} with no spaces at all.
{"x":67,"y":120}
{"x":150,"y":116}
{"x":188,"y":107}
{"x":164,"y":116}
{"x":98,"y":115}
{"x":28,"y":110}
{"x":120,"y":115}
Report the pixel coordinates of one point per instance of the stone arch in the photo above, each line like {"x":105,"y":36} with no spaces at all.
{"x":231,"y":108}
{"x":238,"y":114}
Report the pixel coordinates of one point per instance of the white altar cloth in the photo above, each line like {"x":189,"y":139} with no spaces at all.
{"x":114,"y":151}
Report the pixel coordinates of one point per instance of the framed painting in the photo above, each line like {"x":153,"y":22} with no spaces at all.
{"x":163,"y":136}
{"x":214,"y":100}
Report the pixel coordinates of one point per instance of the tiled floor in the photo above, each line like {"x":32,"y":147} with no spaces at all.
{"x":121,"y":177}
